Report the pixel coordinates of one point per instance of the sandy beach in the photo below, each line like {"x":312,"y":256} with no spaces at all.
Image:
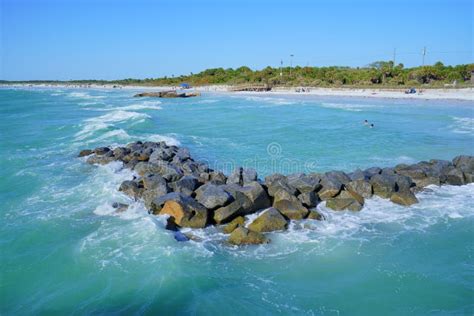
{"x":463,"y":94}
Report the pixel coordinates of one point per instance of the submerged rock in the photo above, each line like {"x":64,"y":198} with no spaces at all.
{"x":269,"y":220}
{"x":405,"y":198}
{"x":244,"y":236}
{"x":346,"y":201}
{"x":236,"y":222}
{"x":313,"y":214}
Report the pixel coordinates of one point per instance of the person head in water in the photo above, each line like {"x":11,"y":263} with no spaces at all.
{"x":371,"y":125}
{"x":366,"y":122}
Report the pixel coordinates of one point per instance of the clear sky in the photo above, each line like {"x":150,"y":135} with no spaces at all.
{"x":102,"y":39}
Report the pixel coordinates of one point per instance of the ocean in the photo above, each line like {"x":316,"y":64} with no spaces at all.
{"x":63,"y":249}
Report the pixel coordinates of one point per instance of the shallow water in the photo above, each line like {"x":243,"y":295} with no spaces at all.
{"x":64,"y":250}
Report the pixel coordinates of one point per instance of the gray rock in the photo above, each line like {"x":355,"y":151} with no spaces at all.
{"x":212,"y":196}
{"x":289,"y":205}
{"x":331,"y":186}
{"x":361,"y":187}
{"x":236,"y":208}
{"x":309,"y":199}
{"x":455,"y":177}
{"x":185,"y":185}
{"x":465,"y":163}
{"x":242,"y":176}
{"x":278,"y":182}
{"x":383,"y":185}
{"x":370,"y":172}
{"x":131,"y":188}
{"x":303,"y":183}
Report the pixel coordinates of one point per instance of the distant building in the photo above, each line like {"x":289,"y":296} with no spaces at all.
{"x":472,"y":76}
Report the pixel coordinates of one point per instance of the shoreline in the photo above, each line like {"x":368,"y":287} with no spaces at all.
{"x":458,"y":94}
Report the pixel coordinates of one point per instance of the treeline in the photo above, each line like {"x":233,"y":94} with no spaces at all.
{"x":377,"y":74}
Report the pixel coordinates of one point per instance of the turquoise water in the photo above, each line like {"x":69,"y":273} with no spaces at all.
{"x":63,"y":250}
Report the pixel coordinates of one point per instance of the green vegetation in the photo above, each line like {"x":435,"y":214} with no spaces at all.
{"x":378,"y":74}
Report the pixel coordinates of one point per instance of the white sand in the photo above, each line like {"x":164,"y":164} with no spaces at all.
{"x":466,"y":94}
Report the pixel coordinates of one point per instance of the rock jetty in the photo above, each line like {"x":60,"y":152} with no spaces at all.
{"x":167,"y":94}
{"x":170,"y":182}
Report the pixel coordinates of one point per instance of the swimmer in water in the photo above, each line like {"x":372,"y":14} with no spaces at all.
{"x":371,"y":125}
{"x":366,"y":122}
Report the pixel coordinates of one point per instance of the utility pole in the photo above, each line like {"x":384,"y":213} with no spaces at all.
{"x":291,"y":63}
{"x":394,"y":56}
{"x":423,"y":52}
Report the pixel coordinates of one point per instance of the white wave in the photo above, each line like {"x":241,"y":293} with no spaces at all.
{"x":392,"y":161}
{"x":269,"y":100}
{"x":207,"y":101}
{"x":84,"y":95}
{"x":171,"y":141}
{"x":118,"y":133}
{"x":147,"y":105}
{"x":463,"y":125}
{"x":95,"y":124}
{"x":352,"y":107}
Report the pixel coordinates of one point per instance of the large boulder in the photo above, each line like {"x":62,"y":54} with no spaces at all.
{"x":278,"y":182}
{"x":383,"y":185}
{"x":403,"y":183}
{"x":346,"y":201}
{"x":465,"y":163}
{"x":405,"y":198}
{"x":157,"y":203}
{"x":155,"y":186}
{"x":257,"y":196}
{"x":370,"y":172}
{"x":361,"y":187}
{"x":269,"y":220}
{"x":455,"y":177}
{"x":242,"y":176}
{"x":185,"y":185}
{"x":358,"y":175}
{"x":331,"y":186}
{"x":213,"y":196}
{"x":309,"y":199}
{"x":303,"y":183}
{"x":289,"y":205}
{"x":161,"y":154}
{"x":217,"y":177}
{"x":236,"y":208}
{"x":186,"y":212}
{"x":244,"y":236}
{"x":152,"y":181}
{"x":131,"y":188}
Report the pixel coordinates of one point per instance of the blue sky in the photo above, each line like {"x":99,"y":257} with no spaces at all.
{"x":102,"y":39}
